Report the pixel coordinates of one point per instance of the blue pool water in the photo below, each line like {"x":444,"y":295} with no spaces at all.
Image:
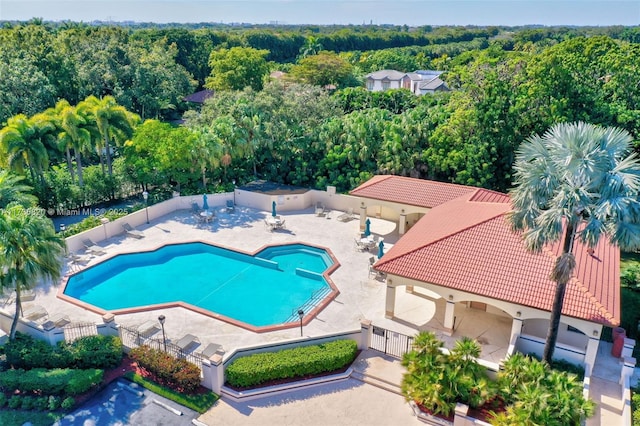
{"x":260,"y":290}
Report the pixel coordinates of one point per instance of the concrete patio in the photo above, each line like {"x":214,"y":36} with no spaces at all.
{"x":361,"y":294}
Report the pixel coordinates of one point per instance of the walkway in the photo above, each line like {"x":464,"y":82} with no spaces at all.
{"x":351,"y":402}
{"x":605,"y":390}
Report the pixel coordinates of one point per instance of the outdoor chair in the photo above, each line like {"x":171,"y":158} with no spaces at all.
{"x":148,"y":328}
{"x":319,"y":209}
{"x":195,"y":208}
{"x":56,"y":321}
{"x":211,"y":350}
{"x":345,"y":217}
{"x":34,"y":313}
{"x":187,"y":341}
{"x":93,"y":247}
{"x":230,"y":206}
{"x":131,"y":231}
{"x":269,"y":225}
{"x":359,"y":245}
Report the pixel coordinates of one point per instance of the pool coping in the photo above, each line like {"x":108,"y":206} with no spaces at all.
{"x":306,"y":319}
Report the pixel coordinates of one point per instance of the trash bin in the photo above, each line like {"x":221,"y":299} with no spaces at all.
{"x":619,"y":334}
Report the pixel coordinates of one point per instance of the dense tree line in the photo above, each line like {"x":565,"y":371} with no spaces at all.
{"x":506,"y":86}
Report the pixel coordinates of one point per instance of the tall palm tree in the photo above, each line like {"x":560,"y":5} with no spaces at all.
{"x":77,"y":131}
{"x":12,"y":190}
{"x":30,"y":250}
{"x":113,"y":121}
{"x":24,"y":143}
{"x":576,"y":181}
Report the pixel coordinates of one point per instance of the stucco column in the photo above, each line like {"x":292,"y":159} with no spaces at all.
{"x":213,"y":372}
{"x":402,"y":223}
{"x":590,"y":355}
{"x":516,"y":328}
{"x":628,"y":367}
{"x":363,"y":216}
{"x":390,"y":301}
{"x":365,"y":334}
{"x":449,"y":317}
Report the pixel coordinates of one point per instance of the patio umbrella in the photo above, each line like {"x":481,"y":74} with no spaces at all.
{"x":367,"y":228}
{"x":273,"y":209}
{"x":380,"y":249}
{"x":205,"y":206}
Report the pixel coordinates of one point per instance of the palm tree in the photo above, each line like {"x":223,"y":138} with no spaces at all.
{"x":24,"y":142}
{"x":76,"y":131}
{"x":576,"y":181}
{"x":30,"y":250}
{"x":113,"y":122}
{"x":12,"y":190}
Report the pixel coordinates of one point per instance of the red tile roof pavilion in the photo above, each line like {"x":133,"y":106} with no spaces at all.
{"x":465,"y":243}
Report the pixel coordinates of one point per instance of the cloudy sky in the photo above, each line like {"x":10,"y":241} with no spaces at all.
{"x":410,"y":12}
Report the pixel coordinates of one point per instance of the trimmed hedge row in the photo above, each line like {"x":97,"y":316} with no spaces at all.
{"x":58,"y":381}
{"x":38,"y":403}
{"x":178,"y":374}
{"x":99,"y":351}
{"x":290,"y":363}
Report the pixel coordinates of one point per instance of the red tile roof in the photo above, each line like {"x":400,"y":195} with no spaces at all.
{"x":410,"y":191}
{"x":467,"y":244}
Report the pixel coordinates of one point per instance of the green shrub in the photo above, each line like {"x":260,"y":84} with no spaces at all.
{"x":50,"y":381}
{"x":67,"y":403}
{"x":27,"y":402}
{"x":95,"y":352}
{"x":15,"y":401}
{"x":54,"y":402}
{"x":98,"y":351}
{"x":27,"y":352}
{"x":177,"y":374}
{"x":41,"y":403}
{"x":3,"y":400}
{"x":290,"y":363}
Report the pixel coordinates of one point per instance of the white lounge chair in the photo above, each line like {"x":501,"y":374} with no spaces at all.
{"x":93,"y":247}
{"x":345,"y":217}
{"x":148,"y":328}
{"x":187,"y":341}
{"x":131,"y":231}
{"x":230,"y":206}
{"x":211,"y":349}
{"x":34,"y":312}
{"x":56,"y":321}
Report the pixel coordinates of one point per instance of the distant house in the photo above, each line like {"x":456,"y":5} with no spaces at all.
{"x":199,"y":97}
{"x":419,"y":82}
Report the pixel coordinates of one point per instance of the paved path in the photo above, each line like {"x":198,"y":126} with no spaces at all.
{"x":605,"y":390}
{"x":350,"y":402}
{"x":346,"y":403}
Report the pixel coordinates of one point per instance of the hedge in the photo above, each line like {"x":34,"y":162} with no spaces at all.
{"x":291,"y":363}
{"x":98,"y":351}
{"x":58,"y":381}
{"x":178,"y":374}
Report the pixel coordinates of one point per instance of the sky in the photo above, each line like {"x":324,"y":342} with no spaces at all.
{"x":326,"y":12}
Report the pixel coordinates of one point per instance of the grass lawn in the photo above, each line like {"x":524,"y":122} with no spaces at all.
{"x":200,"y":402}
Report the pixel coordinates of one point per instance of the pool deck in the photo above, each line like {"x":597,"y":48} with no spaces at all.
{"x":361,"y":296}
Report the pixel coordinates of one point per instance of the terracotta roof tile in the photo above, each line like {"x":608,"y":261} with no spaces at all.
{"x":467,"y":244}
{"x":410,"y":191}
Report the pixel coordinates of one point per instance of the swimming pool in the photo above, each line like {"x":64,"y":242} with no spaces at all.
{"x":262,"y":289}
